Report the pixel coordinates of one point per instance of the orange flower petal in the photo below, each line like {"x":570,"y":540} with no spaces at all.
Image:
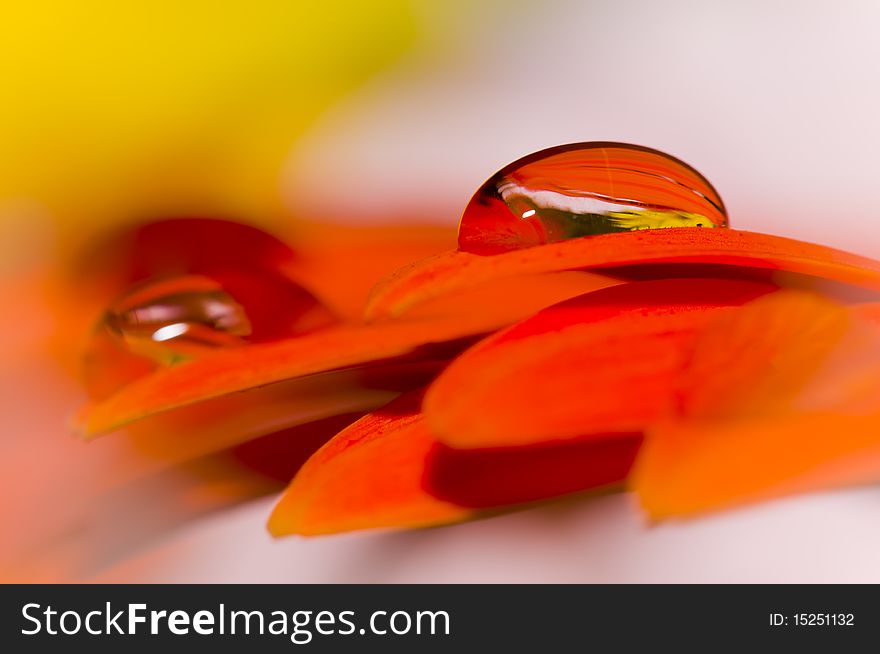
{"x":450,"y":318}
{"x":505,"y":301}
{"x":870,"y":311}
{"x":217,"y":424}
{"x":387,"y":470}
{"x":243,"y":368}
{"x":691,"y":468}
{"x":801,"y":411}
{"x":760,"y":359}
{"x":604,"y":362}
{"x":367,"y":476}
{"x":455,"y":270}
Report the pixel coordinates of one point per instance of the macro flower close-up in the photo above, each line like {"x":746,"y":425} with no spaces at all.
{"x":440,"y":292}
{"x":695,"y":365}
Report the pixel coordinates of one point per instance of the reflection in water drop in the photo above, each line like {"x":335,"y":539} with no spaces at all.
{"x":178,"y":318}
{"x":585,"y":189}
{"x":168,"y":332}
{"x":171,"y":320}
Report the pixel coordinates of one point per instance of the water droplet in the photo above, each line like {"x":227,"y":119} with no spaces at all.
{"x":586,"y":189}
{"x":178,"y":318}
{"x":171,"y":320}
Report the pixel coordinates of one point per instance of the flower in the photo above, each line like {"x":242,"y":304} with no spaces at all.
{"x":584,"y":336}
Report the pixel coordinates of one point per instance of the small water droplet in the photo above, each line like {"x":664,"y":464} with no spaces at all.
{"x":171,"y":320}
{"x":586,"y":189}
{"x":178,"y":318}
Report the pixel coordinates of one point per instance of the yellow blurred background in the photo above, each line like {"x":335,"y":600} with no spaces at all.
{"x":120,"y":111}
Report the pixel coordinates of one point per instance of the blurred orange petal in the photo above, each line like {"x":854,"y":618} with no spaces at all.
{"x":252,"y":366}
{"x":869,"y":311}
{"x":690,"y":468}
{"x":780,"y":397}
{"x":195,"y":430}
{"x":455,"y":270}
{"x":604,"y":362}
{"x":341,"y":263}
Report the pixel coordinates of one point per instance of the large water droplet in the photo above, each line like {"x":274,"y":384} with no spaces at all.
{"x":585,"y":189}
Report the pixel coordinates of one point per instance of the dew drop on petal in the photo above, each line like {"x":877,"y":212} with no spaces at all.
{"x":171,"y":320}
{"x":178,"y":318}
{"x":586,"y":189}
